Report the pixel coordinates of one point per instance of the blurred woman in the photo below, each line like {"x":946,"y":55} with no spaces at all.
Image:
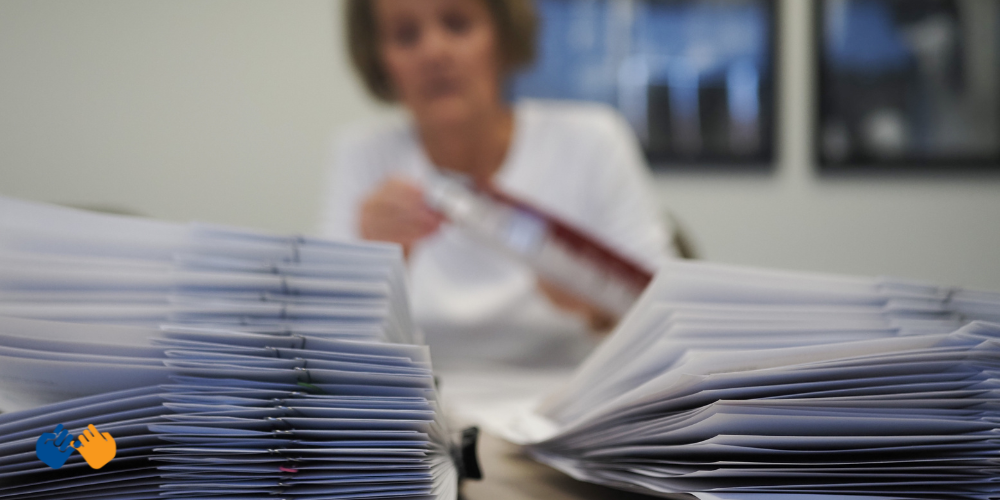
{"x":446,"y":62}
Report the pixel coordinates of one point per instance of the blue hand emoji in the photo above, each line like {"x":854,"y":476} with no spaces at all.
{"x":54,"y":448}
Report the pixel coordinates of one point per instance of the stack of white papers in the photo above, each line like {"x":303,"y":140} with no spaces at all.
{"x":224,"y":363}
{"x":67,"y":265}
{"x":728,"y":382}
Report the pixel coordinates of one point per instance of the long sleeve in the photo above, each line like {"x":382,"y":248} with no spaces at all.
{"x":358,"y":160}
{"x":338,"y":218}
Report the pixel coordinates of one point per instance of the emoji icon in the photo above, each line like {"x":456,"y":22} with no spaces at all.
{"x":96,"y":447}
{"x":53,"y":448}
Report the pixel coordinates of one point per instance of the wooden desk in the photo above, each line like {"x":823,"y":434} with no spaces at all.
{"x":510,"y":475}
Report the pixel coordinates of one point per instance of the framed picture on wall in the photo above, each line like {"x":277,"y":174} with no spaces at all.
{"x":694,"y":78}
{"x":908,"y":85}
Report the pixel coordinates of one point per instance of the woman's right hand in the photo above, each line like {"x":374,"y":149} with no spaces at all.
{"x":395,"y":212}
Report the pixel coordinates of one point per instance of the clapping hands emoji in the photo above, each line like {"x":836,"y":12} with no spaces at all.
{"x":53,"y":448}
{"x":96,"y":447}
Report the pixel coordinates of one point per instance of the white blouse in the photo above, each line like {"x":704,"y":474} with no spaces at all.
{"x":580,"y":162}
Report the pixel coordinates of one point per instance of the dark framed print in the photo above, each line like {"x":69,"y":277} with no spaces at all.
{"x":908,"y":85}
{"x":694,"y":78}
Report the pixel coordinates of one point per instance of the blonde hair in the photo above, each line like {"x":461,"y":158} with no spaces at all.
{"x":515,"y":20}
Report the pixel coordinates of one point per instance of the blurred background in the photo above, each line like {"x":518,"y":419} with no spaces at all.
{"x":849,"y":136}
{"x":694,"y":78}
{"x":910,"y":83}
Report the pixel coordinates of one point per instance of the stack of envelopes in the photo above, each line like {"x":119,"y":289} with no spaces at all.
{"x":729,"y":382}
{"x":222,"y":363}
{"x":69,"y":265}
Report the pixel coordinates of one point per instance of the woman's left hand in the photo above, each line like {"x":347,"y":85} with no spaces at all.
{"x":395,"y":212}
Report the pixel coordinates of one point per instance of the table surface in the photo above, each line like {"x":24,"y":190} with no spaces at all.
{"x":508,"y":474}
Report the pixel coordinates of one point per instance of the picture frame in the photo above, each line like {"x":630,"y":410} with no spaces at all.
{"x":897,"y":90}
{"x":694,"y":78}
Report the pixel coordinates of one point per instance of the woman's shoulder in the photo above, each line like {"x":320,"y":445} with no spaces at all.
{"x":372,"y":148}
{"x":389,"y":130}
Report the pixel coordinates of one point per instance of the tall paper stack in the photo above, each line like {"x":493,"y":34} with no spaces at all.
{"x":730,"y":382}
{"x":224,"y":363}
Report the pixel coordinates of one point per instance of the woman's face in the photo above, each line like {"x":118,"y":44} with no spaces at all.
{"x":441,"y":56}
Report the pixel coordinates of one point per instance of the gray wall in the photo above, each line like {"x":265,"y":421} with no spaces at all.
{"x":220,"y":110}
{"x":216,"y":110}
